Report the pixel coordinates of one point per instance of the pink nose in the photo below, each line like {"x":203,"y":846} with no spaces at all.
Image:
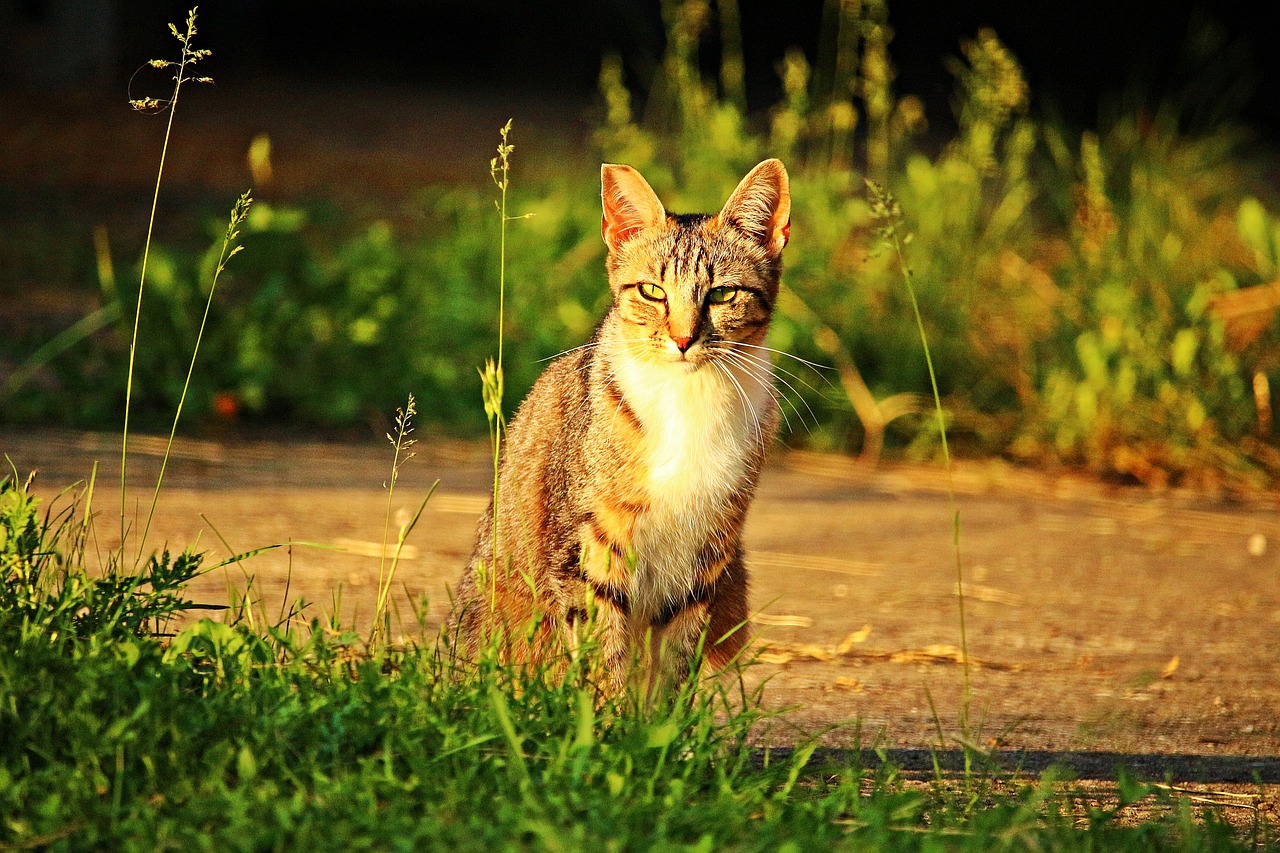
{"x":682,"y":343}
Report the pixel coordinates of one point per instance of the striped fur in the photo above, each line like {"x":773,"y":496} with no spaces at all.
{"x":628,"y":470}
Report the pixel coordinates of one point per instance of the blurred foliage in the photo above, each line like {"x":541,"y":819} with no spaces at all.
{"x":1075,"y":284}
{"x":329,"y":332}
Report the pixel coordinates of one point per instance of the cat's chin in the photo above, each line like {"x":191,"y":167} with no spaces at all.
{"x":670,"y":358}
{"x":685,"y":363}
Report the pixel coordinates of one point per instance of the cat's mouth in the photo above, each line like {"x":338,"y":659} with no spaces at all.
{"x":692,"y":358}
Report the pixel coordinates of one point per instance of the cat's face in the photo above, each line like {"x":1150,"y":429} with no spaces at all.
{"x":692,"y":288}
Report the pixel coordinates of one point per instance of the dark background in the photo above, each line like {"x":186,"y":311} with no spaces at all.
{"x":1078,"y":56}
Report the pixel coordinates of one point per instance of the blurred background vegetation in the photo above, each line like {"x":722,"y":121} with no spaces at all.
{"x":1098,"y":295}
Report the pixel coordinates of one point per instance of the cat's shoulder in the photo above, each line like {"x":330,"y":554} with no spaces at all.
{"x":559,"y":392}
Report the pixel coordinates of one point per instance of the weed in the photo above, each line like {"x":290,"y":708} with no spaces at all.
{"x":492,"y":376}
{"x":239,"y":212}
{"x":401,"y":442}
{"x":47,"y":594}
{"x":886,"y":211}
{"x":188,"y":57}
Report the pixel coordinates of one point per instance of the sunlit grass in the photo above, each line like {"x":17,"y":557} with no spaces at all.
{"x":301,"y":736}
{"x":187,"y":58}
{"x":886,"y":211}
{"x":401,"y":444}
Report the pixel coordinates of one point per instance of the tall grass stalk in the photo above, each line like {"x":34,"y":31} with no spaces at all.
{"x":401,"y":442}
{"x":239,"y":212}
{"x":188,"y":57}
{"x":491,"y":376}
{"x":886,"y":210}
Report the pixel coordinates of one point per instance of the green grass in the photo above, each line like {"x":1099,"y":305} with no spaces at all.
{"x":301,"y":737}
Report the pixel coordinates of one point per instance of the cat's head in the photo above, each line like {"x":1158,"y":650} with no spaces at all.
{"x":687,"y":285}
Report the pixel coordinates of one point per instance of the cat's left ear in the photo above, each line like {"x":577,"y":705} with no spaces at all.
{"x":761,"y":206}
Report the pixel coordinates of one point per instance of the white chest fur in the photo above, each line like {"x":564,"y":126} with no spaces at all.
{"x":701,"y":430}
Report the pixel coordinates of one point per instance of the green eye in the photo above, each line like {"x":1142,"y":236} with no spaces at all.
{"x":652,"y":291}
{"x":721,"y":295}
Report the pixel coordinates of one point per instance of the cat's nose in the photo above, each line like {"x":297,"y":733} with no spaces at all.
{"x":682,"y":344}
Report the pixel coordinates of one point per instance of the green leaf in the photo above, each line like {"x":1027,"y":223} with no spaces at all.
{"x":246,"y":766}
{"x":1186,"y":343}
{"x":586,"y":721}
{"x":662,"y":735}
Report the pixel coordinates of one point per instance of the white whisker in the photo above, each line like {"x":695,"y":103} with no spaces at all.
{"x":803,"y":361}
{"x":746,"y":400}
{"x":763,"y":378}
{"x":587,"y":345}
{"x":811,"y":365}
{"x":767,"y":386}
{"x":753,"y":367}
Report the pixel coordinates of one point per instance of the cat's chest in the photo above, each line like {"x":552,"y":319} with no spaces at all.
{"x":702,"y":433}
{"x":701,"y":430}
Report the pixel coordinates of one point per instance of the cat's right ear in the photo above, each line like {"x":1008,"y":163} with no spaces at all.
{"x":630,"y":205}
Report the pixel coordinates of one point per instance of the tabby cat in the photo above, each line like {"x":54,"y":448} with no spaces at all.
{"x":628,"y":470}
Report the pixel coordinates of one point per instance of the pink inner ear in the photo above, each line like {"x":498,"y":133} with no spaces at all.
{"x":619,"y":230}
{"x":630,"y":205}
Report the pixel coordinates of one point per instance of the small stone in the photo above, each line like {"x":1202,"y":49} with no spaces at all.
{"x":1257,"y":545}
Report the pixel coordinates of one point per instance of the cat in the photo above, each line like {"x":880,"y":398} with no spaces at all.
{"x":628,"y":470}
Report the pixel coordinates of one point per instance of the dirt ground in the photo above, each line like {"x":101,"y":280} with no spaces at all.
{"x":1105,"y":624}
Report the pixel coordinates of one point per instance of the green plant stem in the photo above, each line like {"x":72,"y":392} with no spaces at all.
{"x":386,"y":531}
{"x":885,"y":208}
{"x":499,"y":171}
{"x":905,"y":271}
{"x":402,"y":443}
{"x":238,"y":213}
{"x":188,"y":56}
{"x":137,"y":315}
{"x":502,"y":312}
{"x":384,"y":590}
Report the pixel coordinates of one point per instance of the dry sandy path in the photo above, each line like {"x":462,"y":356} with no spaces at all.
{"x":1102,"y":620}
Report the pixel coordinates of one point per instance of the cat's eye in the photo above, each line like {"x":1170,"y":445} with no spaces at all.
{"x":652,"y":291}
{"x":721,"y":295}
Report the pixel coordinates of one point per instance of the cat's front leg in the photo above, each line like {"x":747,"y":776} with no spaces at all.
{"x":605,"y":571}
{"x":676,"y":649}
